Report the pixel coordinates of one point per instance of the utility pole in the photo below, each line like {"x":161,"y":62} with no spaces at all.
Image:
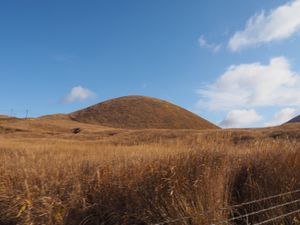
{"x":26,"y":114}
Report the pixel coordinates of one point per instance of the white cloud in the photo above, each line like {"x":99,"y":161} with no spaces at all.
{"x":78,"y":93}
{"x":278,"y":24}
{"x":282,"y":116}
{"x":253,"y":85}
{"x":240,"y":118}
{"x":204,"y":44}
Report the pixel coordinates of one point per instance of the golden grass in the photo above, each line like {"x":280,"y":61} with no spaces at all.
{"x":139,"y":112}
{"x":63,"y":181}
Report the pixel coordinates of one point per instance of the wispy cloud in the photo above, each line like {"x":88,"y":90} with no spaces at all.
{"x":78,"y":93}
{"x":63,"y":57}
{"x":278,"y":24}
{"x":253,"y":85}
{"x":205,"y":44}
{"x":282,"y":116}
{"x":240,"y":118}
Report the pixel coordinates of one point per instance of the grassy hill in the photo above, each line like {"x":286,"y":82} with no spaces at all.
{"x":107,"y":175}
{"x":138,"y":112}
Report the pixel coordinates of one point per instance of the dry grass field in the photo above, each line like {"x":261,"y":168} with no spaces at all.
{"x":48,"y":175}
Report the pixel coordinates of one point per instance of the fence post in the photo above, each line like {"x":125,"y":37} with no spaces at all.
{"x":247,"y":220}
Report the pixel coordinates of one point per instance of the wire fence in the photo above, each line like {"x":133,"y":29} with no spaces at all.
{"x":287,"y":205}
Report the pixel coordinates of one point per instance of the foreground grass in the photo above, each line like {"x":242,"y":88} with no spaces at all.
{"x":69,"y":182}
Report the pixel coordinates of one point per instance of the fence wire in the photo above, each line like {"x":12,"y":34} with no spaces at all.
{"x":246,"y":215}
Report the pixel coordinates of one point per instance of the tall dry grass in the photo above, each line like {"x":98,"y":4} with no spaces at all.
{"x":71,"y":182}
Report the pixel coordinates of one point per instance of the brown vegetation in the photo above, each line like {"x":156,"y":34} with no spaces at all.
{"x":111,"y":176}
{"x":138,"y":112}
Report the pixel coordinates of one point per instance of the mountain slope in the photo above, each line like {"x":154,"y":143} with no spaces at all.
{"x":138,"y":112}
{"x":295,"y":120}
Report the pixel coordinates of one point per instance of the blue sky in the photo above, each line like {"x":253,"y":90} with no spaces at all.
{"x":233,"y":62}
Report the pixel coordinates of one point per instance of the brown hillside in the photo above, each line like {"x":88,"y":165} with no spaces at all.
{"x":4,"y":117}
{"x":140,"y":112}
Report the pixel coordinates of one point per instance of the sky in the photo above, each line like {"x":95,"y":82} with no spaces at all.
{"x":235,"y":63}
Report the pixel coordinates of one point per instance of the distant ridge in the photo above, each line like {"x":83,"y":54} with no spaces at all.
{"x":5,"y":117}
{"x":295,"y":120}
{"x":139,"y":112}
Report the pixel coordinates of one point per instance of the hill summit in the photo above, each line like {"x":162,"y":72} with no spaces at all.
{"x":139,"y":112}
